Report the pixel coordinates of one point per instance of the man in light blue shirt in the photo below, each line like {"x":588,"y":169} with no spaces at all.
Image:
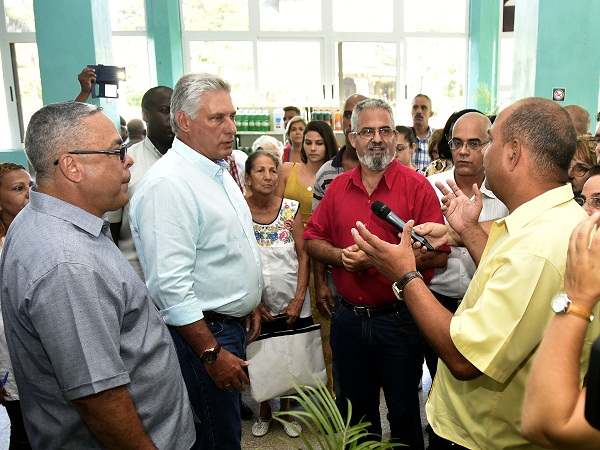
{"x":193,"y":233}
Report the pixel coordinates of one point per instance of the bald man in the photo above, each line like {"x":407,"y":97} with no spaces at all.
{"x":581,"y":119}
{"x":136,"y":130}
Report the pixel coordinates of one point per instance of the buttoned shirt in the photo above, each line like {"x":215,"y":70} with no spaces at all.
{"x":453,"y":280}
{"x":144,"y":155}
{"x":501,"y":321}
{"x":421,"y":155}
{"x":405,"y":191}
{"x":193,"y":232}
{"x":79,"y":321}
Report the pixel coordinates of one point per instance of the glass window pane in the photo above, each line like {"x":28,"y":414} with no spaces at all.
{"x":127,"y":15}
{"x":369,"y":68}
{"x":349,"y":15}
{"x":208,"y":15}
{"x":131,"y":52}
{"x":436,"y":67}
{"x":5,"y":138}
{"x":19,"y":15}
{"x":506,"y":60}
{"x":435,"y":16}
{"x":28,"y":81}
{"x":231,"y":60}
{"x":290,"y":15}
{"x":280,"y":84}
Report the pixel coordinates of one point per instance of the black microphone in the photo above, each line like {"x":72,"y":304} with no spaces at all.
{"x":384,"y":212}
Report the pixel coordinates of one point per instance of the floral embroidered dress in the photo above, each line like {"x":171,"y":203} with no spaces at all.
{"x":279,"y":260}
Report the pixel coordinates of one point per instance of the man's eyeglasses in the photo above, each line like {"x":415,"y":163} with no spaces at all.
{"x":593,"y":202}
{"x":121,"y":151}
{"x":579,"y":169}
{"x":369,"y":133}
{"x":474,"y":144}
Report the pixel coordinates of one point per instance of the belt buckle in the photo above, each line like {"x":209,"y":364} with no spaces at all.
{"x":362,"y":311}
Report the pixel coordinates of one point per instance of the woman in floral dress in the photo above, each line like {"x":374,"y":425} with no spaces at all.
{"x":278,"y":229}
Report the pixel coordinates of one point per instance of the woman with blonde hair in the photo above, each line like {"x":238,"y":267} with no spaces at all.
{"x":583,"y":160}
{"x":15,"y":183}
{"x":294,"y":133}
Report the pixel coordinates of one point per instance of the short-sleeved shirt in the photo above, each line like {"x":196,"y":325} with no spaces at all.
{"x":501,"y":322}
{"x":79,"y":321}
{"x":405,"y":191}
{"x":193,"y":232}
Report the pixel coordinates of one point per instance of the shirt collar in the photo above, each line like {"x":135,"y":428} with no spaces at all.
{"x":68,"y":212}
{"x":388,"y":175}
{"x":207,"y":166}
{"x":536,"y":207}
{"x":149,"y":146}
{"x":337,"y":159}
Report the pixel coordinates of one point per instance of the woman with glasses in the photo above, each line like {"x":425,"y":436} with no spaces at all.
{"x":15,"y":183}
{"x":582,"y":162}
{"x":590,"y":196}
{"x":406,"y":145}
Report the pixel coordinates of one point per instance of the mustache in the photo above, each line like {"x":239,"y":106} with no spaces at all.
{"x":377,"y":146}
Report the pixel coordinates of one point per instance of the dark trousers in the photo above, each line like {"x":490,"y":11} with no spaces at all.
{"x":220,"y":425}
{"x":431,"y":357}
{"x":374,"y":353}
{"x":18,"y":436}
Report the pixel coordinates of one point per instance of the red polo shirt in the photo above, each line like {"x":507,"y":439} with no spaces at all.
{"x":405,"y":191}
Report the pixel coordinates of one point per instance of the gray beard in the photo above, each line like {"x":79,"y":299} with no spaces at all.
{"x":376,"y":161}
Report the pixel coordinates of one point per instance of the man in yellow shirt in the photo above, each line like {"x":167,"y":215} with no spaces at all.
{"x":488,"y":346}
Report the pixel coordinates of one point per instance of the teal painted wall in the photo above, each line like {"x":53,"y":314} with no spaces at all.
{"x":70,"y":35}
{"x":14,"y":156}
{"x":484,"y":41}
{"x":164,"y":41}
{"x":557,"y":45}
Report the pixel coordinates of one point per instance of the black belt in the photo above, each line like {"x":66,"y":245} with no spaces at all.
{"x":212,"y":316}
{"x":373,"y":311}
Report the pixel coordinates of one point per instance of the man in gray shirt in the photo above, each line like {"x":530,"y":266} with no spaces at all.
{"x":93,"y":360}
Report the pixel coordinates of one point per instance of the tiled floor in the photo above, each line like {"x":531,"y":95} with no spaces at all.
{"x":273,"y":440}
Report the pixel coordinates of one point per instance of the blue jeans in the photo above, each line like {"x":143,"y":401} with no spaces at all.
{"x":220,"y":425}
{"x":380,"y":352}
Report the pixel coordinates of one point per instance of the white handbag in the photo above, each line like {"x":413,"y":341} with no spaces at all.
{"x":281,"y":355}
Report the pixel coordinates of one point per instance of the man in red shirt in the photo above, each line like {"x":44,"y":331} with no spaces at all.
{"x":376,"y":343}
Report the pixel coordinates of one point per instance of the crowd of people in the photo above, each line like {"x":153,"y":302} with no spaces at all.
{"x":145,"y":260}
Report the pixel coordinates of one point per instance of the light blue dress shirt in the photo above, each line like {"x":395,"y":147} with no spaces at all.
{"x":193,"y":233}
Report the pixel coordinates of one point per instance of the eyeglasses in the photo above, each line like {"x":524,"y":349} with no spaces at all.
{"x":593,"y":202}
{"x":401,"y":148}
{"x":121,"y":151}
{"x":474,"y":144}
{"x":593,"y":139}
{"x":369,"y":133}
{"x":579,"y":169}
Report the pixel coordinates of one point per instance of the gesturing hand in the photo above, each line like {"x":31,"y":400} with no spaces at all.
{"x":459,"y":210}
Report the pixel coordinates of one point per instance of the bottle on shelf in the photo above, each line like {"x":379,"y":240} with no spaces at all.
{"x":327,"y":116}
{"x":338,"y":121}
{"x":278,"y":120}
{"x":244,"y":120}
{"x":266,"y":120}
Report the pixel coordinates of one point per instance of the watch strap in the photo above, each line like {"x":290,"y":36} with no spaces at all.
{"x":579,"y":311}
{"x":215,"y":350}
{"x":402,"y":282}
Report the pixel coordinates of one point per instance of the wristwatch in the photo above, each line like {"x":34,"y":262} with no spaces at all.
{"x":399,"y":285}
{"x":210,"y":355}
{"x":562,"y":304}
